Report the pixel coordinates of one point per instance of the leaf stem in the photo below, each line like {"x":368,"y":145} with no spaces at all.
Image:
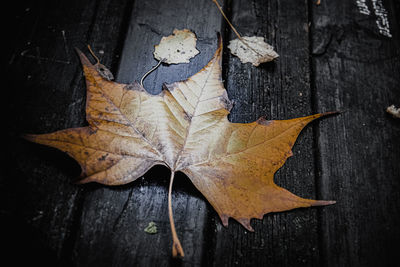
{"x":233,"y":28}
{"x":177,"y":250}
{"x":150,"y":71}
{"x":227,"y":20}
{"x":91,"y":52}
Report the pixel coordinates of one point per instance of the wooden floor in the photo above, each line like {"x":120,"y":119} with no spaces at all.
{"x":333,"y":57}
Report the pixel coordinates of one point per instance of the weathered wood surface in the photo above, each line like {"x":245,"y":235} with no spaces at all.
{"x":356,"y":70}
{"x":126,"y":211}
{"x":332,"y":57}
{"x":278,"y":90}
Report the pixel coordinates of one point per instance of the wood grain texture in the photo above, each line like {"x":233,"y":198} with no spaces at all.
{"x":356,"y":70}
{"x":277,"y":90}
{"x":352,"y":158}
{"x":116,"y":233}
{"x":41,"y":201}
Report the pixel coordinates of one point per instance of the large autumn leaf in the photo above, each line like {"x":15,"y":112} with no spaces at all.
{"x":185,"y":128}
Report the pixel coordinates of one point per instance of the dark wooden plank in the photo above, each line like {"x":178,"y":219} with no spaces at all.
{"x":47,"y":93}
{"x":113,"y":220}
{"x":277,"y":90}
{"x":356,"y":70}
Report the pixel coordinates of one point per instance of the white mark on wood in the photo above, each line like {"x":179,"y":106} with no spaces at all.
{"x":382,"y":21}
{"x":26,"y":53}
{"x":66,"y":46}
{"x":40,"y":58}
{"x":363,"y":7}
{"x":38,"y":217}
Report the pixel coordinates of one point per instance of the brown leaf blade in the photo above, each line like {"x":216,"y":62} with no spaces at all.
{"x":185,"y":128}
{"x":239,"y":182}
{"x":103,"y":156}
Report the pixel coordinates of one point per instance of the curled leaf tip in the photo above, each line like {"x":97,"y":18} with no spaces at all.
{"x":323,"y":202}
{"x":246,"y":223}
{"x":224,"y":220}
{"x":83,"y":181}
{"x":84,"y":60}
{"x":177,"y":250}
{"x":332,"y":113}
{"x":28,"y":137}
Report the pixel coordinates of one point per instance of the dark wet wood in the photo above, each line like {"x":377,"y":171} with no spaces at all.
{"x":356,"y":70}
{"x":47,"y":93}
{"x":332,"y":57}
{"x":129,"y":209}
{"x":277,"y":90}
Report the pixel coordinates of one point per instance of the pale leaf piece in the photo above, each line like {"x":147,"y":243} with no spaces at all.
{"x":252,"y":49}
{"x":392,"y":110}
{"x":151,"y":228}
{"x":104,"y":72}
{"x":177,"y":48}
{"x":185,"y":128}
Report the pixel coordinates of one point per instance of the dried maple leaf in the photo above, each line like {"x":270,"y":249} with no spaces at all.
{"x":185,"y":128}
{"x":249,"y":49}
{"x":252,"y":49}
{"x":177,"y":48}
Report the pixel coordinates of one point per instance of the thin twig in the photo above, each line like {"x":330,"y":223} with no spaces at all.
{"x":177,"y":250}
{"x":150,"y":71}
{"x":91,"y":52}
{"x":227,"y":20}
{"x":234,"y":29}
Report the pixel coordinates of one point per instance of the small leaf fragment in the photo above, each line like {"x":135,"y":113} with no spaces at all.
{"x":395,"y":112}
{"x":177,"y":48}
{"x":104,"y":72}
{"x":186,"y":128}
{"x":151,"y":228}
{"x":101,"y":69}
{"x":252,"y":49}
